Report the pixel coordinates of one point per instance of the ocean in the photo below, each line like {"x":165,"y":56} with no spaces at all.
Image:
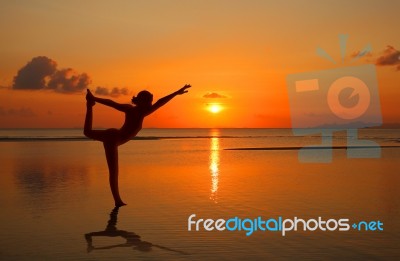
{"x":57,"y":205}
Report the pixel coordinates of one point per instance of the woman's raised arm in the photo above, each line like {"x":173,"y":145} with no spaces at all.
{"x":167,"y":98}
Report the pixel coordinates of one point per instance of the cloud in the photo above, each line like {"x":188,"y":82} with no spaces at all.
{"x":41,"y":73}
{"x":119,"y":91}
{"x":115,"y":92}
{"x":213,"y":95}
{"x":21,"y":112}
{"x":33,"y":75}
{"x":102,"y":91}
{"x":390,"y":56}
{"x":68,"y":81}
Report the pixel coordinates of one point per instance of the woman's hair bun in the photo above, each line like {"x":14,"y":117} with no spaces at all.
{"x":134,"y":99}
{"x":143,"y":97}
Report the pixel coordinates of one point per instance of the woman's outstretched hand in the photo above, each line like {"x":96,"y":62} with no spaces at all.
{"x":183,"y":89}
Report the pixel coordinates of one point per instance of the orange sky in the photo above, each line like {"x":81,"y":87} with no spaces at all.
{"x":242,"y":50}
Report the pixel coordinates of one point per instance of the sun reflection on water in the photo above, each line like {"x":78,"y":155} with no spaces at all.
{"x":214,"y":165}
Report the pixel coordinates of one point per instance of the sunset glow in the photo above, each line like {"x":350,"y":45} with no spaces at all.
{"x":234,"y":54}
{"x":215,"y":108}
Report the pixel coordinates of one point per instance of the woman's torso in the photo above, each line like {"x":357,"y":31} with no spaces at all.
{"x":132,"y":125}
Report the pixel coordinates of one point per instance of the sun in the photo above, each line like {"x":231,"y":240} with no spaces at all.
{"x":214,"y":108}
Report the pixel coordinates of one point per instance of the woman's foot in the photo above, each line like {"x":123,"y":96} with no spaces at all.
{"x":120,"y":204}
{"x":90,"y":99}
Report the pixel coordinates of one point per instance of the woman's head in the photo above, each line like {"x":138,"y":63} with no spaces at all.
{"x":144,"y":98}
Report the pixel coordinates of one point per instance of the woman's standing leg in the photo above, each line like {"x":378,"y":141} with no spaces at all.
{"x":111,"y":150}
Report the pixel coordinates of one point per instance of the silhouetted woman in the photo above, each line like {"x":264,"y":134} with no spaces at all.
{"x":112,"y":138}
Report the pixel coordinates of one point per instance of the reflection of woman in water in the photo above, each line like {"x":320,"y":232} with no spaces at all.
{"x":132,"y":239}
{"x":112,"y":138}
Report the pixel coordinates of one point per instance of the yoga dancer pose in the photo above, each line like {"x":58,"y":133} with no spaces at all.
{"x":112,"y":138}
